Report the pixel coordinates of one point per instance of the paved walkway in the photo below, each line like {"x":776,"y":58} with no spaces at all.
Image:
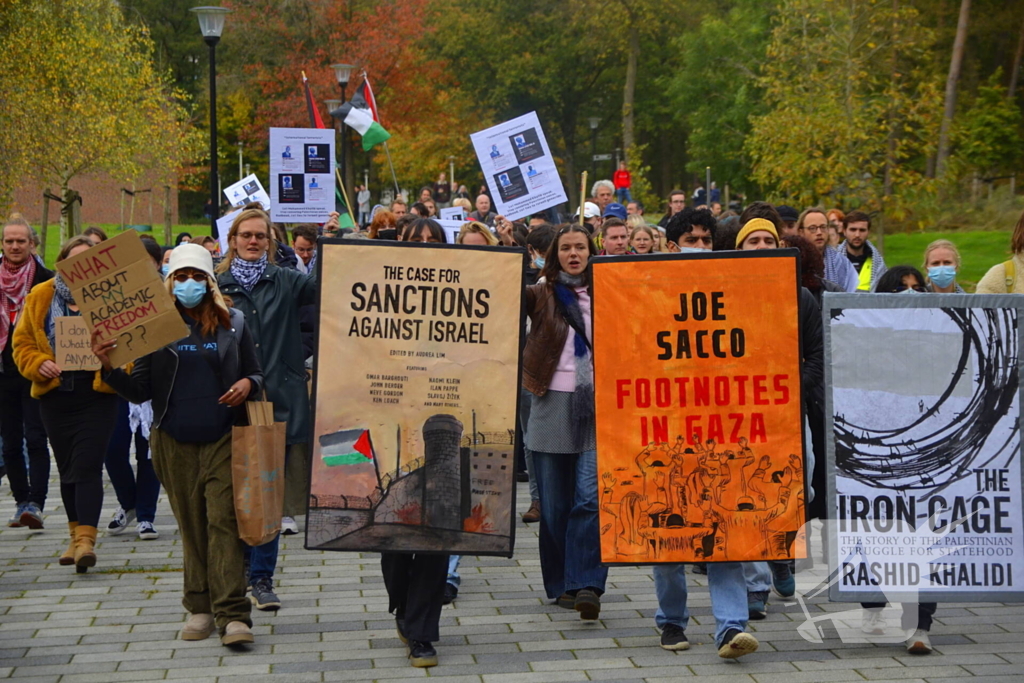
{"x":120,"y":622}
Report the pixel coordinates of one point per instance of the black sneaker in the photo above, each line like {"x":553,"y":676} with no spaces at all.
{"x":757,"y":605}
{"x":736,"y":643}
{"x":566,"y":601}
{"x":450,"y":593}
{"x":421,"y":654}
{"x":700,"y":569}
{"x":400,"y":627}
{"x":673,"y":638}
{"x":263,"y":596}
{"x":588,"y":604}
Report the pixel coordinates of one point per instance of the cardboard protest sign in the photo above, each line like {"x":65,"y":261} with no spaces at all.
{"x":518,"y":166}
{"x":699,"y":426}
{"x":301,"y":174}
{"x":74,"y":345}
{"x":924,"y":449}
{"x":415,"y":424}
{"x":120,"y":293}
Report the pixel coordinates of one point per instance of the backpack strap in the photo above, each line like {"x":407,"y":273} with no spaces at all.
{"x":1011,"y":275}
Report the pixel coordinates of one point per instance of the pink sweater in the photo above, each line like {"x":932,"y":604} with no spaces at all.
{"x":564,"y":378}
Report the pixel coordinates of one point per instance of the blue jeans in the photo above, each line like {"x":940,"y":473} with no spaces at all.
{"x":135,"y":490}
{"x":525,"y":402}
{"x":757,"y":576}
{"x":262,"y":559}
{"x":728,"y":596}
{"x":570,"y":543}
{"x":622,"y":194}
{"x":453,"y":570}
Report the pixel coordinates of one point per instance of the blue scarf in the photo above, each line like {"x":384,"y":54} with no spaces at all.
{"x":248,"y":273}
{"x":583,"y":395}
{"x":58,"y":307}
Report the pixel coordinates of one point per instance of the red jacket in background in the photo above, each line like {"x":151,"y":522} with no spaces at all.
{"x":621,"y":180}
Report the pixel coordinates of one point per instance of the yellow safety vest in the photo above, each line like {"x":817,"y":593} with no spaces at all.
{"x":864,"y":284}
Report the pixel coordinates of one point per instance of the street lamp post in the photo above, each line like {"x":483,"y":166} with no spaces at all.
{"x":211,"y":25}
{"x":240,"y":176}
{"x":594,"y":122}
{"x":342,"y":73}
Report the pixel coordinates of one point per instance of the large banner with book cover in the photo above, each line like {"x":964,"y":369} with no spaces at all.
{"x":699,"y":431}
{"x":923,"y":406}
{"x":416,"y":393}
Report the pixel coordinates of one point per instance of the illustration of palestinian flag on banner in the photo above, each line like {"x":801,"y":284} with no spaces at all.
{"x":348,"y":447}
{"x":357,"y":114}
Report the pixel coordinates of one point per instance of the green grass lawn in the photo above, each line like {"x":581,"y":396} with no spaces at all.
{"x":53,"y":235}
{"x":979,"y":251}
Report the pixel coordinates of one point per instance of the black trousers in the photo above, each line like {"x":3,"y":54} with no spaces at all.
{"x":20,"y":421}
{"x":415,"y":584}
{"x":80,"y":423}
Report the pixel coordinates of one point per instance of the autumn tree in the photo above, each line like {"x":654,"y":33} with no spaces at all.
{"x":842,"y":120}
{"x":81,"y":95}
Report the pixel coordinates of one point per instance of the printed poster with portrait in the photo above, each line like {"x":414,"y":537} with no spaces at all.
{"x":416,"y":395}
{"x":700,"y":453}
{"x":924,"y":457}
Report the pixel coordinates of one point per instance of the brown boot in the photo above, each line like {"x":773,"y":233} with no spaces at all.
{"x":68,"y":557}
{"x":533,"y":514}
{"x":85,"y":542}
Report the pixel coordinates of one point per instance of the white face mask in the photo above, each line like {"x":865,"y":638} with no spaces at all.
{"x":692,"y":250}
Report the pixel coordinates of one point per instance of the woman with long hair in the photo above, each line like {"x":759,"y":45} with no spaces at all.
{"x":382,"y":220}
{"x":78,"y":408}
{"x":642,"y":240}
{"x":941,"y":263}
{"x":476,"y":233}
{"x":558,"y":369}
{"x":197,"y":385}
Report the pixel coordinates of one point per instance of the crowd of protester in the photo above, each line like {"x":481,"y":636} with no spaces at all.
{"x":251,"y":316}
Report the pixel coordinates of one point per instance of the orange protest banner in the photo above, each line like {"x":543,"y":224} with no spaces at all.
{"x":697,"y":385}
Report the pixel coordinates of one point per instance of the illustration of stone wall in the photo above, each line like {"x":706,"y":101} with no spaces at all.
{"x":442,"y":496}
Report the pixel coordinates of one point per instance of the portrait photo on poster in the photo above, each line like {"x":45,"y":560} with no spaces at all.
{"x":317,"y":159}
{"x":700,"y":449}
{"x":924,"y":450}
{"x":511,"y":184}
{"x":413,"y":448}
{"x":526,"y":145}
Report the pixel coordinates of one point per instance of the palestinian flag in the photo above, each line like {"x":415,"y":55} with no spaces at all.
{"x":314,"y":114}
{"x":347,"y":447}
{"x":361,"y":119}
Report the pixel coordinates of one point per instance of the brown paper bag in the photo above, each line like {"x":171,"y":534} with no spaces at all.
{"x":257,"y":473}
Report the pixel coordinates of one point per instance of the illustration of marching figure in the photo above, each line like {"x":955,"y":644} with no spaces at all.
{"x":694,"y":499}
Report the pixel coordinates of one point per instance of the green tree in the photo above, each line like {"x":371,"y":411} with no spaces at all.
{"x":854,"y":104}
{"x":82,"y":96}
{"x":987,"y":136}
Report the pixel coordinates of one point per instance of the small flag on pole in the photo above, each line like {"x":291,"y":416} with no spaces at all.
{"x":348,"y":447}
{"x":314,"y":114}
{"x":361,"y":120}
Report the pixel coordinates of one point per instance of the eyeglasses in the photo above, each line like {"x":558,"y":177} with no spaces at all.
{"x":182,"y":276}
{"x":250,"y":236}
{"x":815,"y":228}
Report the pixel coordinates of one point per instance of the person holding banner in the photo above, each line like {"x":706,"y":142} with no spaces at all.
{"x":761,"y":577}
{"x":78,"y":409}
{"x":558,"y":369}
{"x":20,"y":422}
{"x":271,"y":298}
{"x":197,"y":385}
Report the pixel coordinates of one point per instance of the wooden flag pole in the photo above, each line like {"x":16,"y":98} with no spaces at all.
{"x":583,"y":196}
{"x":344,"y":195}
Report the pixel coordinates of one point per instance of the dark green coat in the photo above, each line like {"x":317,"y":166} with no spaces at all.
{"x":272,"y":315}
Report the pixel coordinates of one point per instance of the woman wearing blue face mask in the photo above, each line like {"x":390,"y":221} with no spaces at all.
{"x":197,"y":386}
{"x":941,"y":263}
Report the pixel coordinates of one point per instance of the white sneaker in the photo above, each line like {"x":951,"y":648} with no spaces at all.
{"x":919,"y":643}
{"x":122,"y":518}
{"x":147,"y":532}
{"x":288,"y":526}
{"x":872,"y":622}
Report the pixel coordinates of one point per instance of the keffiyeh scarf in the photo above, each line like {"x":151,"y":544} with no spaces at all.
{"x":583,"y":396}
{"x":15,"y":283}
{"x":248,"y":273}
